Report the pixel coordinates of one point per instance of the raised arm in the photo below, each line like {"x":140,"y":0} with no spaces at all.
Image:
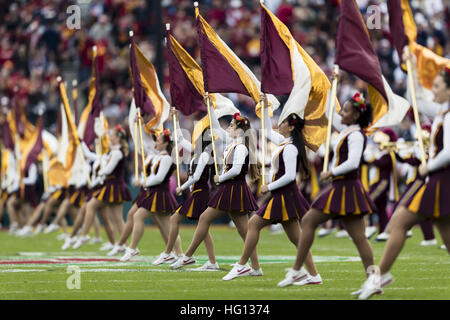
{"x":88,"y":154}
{"x":271,"y":134}
{"x":32,"y":175}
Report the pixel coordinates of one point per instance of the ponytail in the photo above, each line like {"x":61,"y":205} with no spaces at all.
{"x":299,"y":141}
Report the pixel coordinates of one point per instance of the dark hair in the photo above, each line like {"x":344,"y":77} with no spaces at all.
{"x":365,"y":113}
{"x":122,"y":134}
{"x":202,"y":142}
{"x":299,"y":141}
{"x":445,"y":73}
{"x":250,"y":143}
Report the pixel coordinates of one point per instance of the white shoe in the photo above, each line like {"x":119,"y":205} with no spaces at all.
{"x":208,"y":266}
{"x":342,"y":234}
{"x":95,"y":240}
{"x":409,"y":234}
{"x":238,"y":271}
{"x":117,"y":249}
{"x":309,"y":280}
{"x":231,"y":224}
{"x":374,"y":285}
{"x":165,"y":258}
{"x":182,"y":261}
{"x":443,"y":247}
{"x":324,"y":232}
{"x":68,"y":242}
{"x":51,"y":228}
{"x":26,"y":231}
{"x":13,"y":228}
{"x":425,"y":243}
{"x":382,"y":237}
{"x":293,"y":276}
{"x":370,"y":231}
{"x":39,"y":229}
{"x":63,"y":236}
{"x":107,"y":246}
{"x":129,"y":253}
{"x":80,"y":241}
{"x":276,"y":228}
{"x":256,"y":273}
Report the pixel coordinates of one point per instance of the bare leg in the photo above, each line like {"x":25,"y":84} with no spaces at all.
{"x":12,"y":211}
{"x":293,"y":231}
{"x":402,"y":221}
{"x":444,"y":229}
{"x":175,"y":221}
{"x":79,"y":221}
{"x":96,"y":227}
{"x":138,"y":227}
{"x":209,"y":244}
{"x":49,"y":207}
{"x":27,"y":210}
{"x":310,"y":222}
{"x":164,"y":221}
{"x":117,"y":217}
{"x":36,"y":214}
{"x":128,"y":225}
{"x":103,"y":213}
{"x":203,"y":225}
{"x":255,"y":224}
{"x":92,"y":206}
{"x":356,"y":229}
{"x":2,"y":207}
{"x":62,"y":211}
{"x":241,"y":223}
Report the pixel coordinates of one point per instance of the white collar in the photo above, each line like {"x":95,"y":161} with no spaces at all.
{"x":115,"y":147}
{"x":351,"y":128}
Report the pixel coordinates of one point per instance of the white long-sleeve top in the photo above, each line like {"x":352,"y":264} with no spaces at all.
{"x":32,"y":176}
{"x":355,"y":146}
{"x":157,"y":177}
{"x":113,"y":158}
{"x":290,"y":153}
{"x":201,"y":165}
{"x":240,"y":153}
{"x":441,"y":159}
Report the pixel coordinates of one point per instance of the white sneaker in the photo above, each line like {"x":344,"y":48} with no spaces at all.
{"x":425,"y":243}
{"x":324,"y":232}
{"x":382,"y":237}
{"x":231,"y":224}
{"x":117,"y":249}
{"x":309,"y":280}
{"x":51,"y":228}
{"x":63,"y":236}
{"x":107,"y":246}
{"x":374,"y":285}
{"x":293,"y":276}
{"x":129,"y":253}
{"x":208,"y":266}
{"x":182,"y":261}
{"x":370,"y":231}
{"x":68,"y":242}
{"x":256,"y":273}
{"x":38,"y":230}
{"x":80,"y":241}
{"x":13,"y":228}
{"x":26,"y":231}
{"x":165,"y":258}
{"x":95,"y":240}
{"x":238,"y":271}
{"x":276,"y":228}
{"x":409,"y":234}
{"x":342,"y":234}
{"x":443,"y":247}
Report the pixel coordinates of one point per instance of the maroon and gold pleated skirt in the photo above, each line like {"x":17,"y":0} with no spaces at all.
{"x":158,"y":199}
{"x":285,"y":204}
{"x":344,"y":197}
{"x":431,"y":199}
{"x":196,"y":204}
{"x":28,"y":194}
{"x":113,"y":191}
{"x":61,"y":194}
{"x":78,"y":197}
{"x":233,"y":196}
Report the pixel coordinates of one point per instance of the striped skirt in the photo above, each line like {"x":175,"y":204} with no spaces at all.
{"x":431,"y":199}
{"x":344,"y":197}
{"x":285,"y":204}
{"x":378,"y":189}
{"x":410,"y":190}
{"x":28,"y":194}
{"x":78,"y":197}
{"x":233,"y":196}
{"x":60,"y":194}
{"x":158,"y":199}
{"x":196,"y":204}
{"x":113,"y":192}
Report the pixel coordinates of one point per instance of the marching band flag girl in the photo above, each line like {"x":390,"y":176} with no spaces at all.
{"x":286,"y":204}
{"x":345,"y":197}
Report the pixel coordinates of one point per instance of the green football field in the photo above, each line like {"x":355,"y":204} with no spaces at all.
{"x":36,"y":268}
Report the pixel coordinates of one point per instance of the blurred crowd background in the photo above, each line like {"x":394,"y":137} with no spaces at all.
{"x":36,"y":45}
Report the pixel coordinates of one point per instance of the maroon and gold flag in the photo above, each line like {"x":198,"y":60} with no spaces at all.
{"x":355,"y":54}
{"x":186,"y":78}
{"x":141,"y":91}
{"x":8,"y":141}
{"x":404,"y":32}
{"x":33,"y":147}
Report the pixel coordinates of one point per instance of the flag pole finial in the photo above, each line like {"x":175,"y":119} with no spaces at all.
{"x":131,"y":33}
{"x":58,"y":78}
{"x":195,"y":4}
{"x":167,"y":26}
{"x":261,"y":1}
{"x":74,"y":82}
{"x":94,"y":48}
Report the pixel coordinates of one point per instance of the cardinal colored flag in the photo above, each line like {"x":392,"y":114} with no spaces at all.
{"x":287,"y":69}
{"x":404,"y":32}
{"x":93,"y":107}
{"x":33,"y":147}
{"x":355,"y":54}
{"x":222,"y":70}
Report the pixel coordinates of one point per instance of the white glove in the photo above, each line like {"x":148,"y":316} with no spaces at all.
{"x":99,"y":128}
